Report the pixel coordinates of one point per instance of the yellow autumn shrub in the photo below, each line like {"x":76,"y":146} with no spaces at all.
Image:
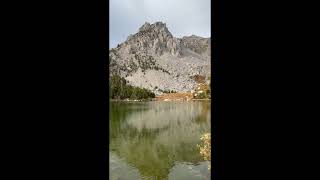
{"x":205,"y":147}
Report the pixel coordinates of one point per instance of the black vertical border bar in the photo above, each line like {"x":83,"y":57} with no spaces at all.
{"x":217,"y":85}
{"x":213,"y":89}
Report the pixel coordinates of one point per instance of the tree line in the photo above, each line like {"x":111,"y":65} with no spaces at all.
{"x":120,"y":89}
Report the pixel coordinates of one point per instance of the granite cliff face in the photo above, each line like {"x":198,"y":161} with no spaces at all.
{"x":154,"y":59}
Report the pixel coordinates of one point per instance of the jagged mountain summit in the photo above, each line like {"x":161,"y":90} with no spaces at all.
{"x":154,"y":59}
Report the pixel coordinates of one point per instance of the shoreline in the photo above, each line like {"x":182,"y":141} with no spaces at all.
{"x":165,"y":100}
{"x":177,"y":97}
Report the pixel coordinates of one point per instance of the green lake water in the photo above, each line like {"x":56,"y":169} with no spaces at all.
{"x":158,"y":140}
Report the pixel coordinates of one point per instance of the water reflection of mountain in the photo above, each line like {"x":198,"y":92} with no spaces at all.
{"x":153,"y":137}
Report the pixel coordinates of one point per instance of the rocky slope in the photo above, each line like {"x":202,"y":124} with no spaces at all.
{"x":154,"y":59}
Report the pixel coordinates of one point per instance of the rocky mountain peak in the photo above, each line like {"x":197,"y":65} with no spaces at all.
{"x":158,"y":28}
{"x":152,"y":58}
{"x":154,"y":38}
{"x":145,"y":26}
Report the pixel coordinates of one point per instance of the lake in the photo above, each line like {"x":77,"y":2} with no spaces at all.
{"x":158,"y":140}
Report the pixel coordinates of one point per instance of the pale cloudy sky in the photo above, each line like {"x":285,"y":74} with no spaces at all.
{"x":182,"y":17}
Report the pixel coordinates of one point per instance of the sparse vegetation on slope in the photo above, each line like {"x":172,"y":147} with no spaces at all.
{"x":202,"y":92}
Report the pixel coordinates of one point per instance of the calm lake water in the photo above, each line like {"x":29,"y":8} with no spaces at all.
{"x":158,"y":140}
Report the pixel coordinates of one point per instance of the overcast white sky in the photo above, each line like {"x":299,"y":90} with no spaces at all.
{"x":182,"y":17}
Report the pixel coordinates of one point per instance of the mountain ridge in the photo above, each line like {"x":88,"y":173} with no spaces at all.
{"x":154,"y":59}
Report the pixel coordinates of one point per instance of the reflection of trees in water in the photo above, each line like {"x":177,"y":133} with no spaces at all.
{"x":153,"y":139}
{"x":153,"y":158}
{"x":119,"y":111}
{"x":205,"y":113}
